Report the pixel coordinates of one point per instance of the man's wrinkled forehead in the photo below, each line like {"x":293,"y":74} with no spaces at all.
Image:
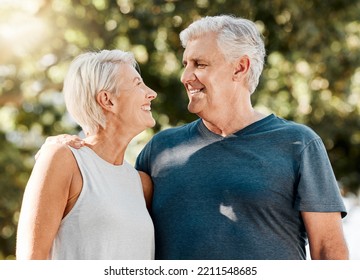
{"x":202,"y":47}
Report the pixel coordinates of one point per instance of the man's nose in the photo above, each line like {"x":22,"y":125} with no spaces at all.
{"x":187,"y":75}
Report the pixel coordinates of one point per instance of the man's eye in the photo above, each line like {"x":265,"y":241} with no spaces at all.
{"x":200,"y":65}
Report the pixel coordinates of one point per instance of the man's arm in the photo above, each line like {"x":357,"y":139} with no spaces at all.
{"x":326,"y":237}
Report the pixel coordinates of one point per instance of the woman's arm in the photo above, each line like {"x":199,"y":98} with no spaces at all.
{"x":44,"y":201}
{"x":147,"y":185}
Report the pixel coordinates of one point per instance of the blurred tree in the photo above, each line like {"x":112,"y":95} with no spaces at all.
{"x":312,"y":73}
{"x":12,"y":180}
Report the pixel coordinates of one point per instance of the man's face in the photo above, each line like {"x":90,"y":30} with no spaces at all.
{"x":207,"y":77}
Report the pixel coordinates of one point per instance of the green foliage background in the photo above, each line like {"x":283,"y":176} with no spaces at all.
{"x":312,"y":73}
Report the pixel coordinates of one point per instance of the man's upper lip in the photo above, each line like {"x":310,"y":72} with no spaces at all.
{"x":193,"y":89}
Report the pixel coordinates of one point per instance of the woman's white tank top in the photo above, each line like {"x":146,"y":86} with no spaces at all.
{"x":109,"y":220}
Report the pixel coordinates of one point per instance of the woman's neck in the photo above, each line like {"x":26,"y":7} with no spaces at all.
{"x":109,"y":146}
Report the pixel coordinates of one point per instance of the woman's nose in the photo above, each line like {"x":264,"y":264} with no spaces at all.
{"x":151,"y":94}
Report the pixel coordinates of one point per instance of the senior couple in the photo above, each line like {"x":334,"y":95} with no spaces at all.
{"x":234,"y":184}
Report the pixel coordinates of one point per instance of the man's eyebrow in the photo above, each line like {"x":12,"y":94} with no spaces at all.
{"x":195,"y":59}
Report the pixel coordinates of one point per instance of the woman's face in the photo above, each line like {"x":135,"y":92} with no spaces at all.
{"x":132,"y":105}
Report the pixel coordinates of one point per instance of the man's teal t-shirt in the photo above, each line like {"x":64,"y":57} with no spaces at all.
{"x":240,"y":196}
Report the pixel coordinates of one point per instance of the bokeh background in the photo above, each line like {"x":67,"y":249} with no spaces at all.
{"x":312,"y":76}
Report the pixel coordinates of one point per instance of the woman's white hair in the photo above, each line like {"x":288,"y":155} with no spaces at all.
{"x":235,"y":37}
{"x":89,"y":74}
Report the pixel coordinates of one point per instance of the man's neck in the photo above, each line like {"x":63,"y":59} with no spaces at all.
{"x":229,"y":125}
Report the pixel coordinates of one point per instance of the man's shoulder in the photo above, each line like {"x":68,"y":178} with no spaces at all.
{"x":295,"y":128}
{"x":163,"y":141}
{"x":177,"y":132}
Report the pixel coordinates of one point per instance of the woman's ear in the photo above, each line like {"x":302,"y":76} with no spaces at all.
{"x":242,"y":66}
{"x":104,"y":100}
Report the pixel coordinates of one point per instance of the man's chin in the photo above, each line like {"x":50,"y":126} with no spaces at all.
{"x":192,"y":109}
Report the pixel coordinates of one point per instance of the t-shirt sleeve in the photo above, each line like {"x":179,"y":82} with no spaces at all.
{"x":318,"y":190}
{"x":143,"y":159}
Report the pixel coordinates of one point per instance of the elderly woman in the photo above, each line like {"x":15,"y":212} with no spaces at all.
{"x":89,"y":203}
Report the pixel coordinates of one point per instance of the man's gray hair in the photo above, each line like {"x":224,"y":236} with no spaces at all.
{"x":236,"y":37}
{"x":89,"y":74}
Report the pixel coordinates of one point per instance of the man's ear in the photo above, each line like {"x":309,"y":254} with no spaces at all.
{"x":104,"y":100}
{"x":242,"y":66}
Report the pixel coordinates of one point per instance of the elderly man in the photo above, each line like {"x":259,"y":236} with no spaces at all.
{"x":237,"y":184}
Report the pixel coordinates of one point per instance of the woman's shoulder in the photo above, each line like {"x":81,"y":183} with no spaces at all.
{"x":56,"y":153}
